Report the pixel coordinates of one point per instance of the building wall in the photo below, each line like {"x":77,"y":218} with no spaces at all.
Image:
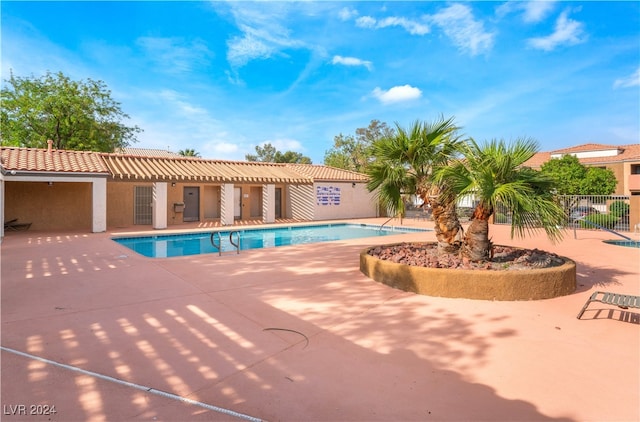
{"x":618,"y":170}
{"x":337,"y":200}
{"x":300,"y":202}
{"x":120,"y":202}
{"x":303,"y":202}
{"x":60,"y":206}
{"x":2,"y":202}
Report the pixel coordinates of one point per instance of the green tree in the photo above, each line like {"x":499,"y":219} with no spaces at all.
{"x":599,"y":181}
{"x":494,"y":173}
{"x":269,"y":154}
{"x":404,"y":163}
{"x":573,"y":178}
{"x":354,"y":152}
{"x":76,"y":115}
{"x":291,"y":157}
{"x":266,"y":154}
{"x":189,"y":153}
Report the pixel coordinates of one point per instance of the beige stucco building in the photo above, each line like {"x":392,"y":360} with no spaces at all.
{"x":623,"y":160}
{"x":94,"y":192}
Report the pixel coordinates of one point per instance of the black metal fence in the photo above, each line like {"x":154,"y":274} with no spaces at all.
{"x":586,"y":212}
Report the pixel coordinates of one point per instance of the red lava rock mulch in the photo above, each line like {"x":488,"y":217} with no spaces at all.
{"x":504,"y":257}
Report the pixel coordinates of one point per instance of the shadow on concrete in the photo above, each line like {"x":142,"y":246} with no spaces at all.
{"x":194,"y":327}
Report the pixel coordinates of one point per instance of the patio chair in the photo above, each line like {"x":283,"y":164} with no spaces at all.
{"x":13,"y":225}
{"x":615,"y":299}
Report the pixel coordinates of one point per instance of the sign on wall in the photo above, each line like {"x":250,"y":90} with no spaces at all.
{"x":328,"y":195}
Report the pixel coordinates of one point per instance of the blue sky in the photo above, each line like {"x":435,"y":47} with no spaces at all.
{"x":223,"y":77}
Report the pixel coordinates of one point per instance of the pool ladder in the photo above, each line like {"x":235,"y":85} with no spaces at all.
{"x":216,"y":236}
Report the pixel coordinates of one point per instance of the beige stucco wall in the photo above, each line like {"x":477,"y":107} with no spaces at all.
{"x":529,"y":284}
{"x":120,"y":202}
{"x":2,"y":202}
{"x":621,"y":171}
{"x":61,"y":206}
{"x":355,"y":202}
{"x":618,"y":170}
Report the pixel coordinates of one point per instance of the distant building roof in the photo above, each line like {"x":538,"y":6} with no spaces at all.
{"x":149,"y":152}
{"x":327,"y":173}
{"x":590,"y":154}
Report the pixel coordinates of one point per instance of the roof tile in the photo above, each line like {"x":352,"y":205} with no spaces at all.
{"x":327,"y":173}
{"x":43,"y":160}
{"x":196,"y":169}
{"x":178,"y":168}
{"x":625,"y":153}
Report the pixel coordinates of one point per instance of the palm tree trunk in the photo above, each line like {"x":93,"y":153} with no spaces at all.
{"x":447,"y":225}
{"x":477,"y":246}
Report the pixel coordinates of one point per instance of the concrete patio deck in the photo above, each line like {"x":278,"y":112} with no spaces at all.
{"x":225,"y":337}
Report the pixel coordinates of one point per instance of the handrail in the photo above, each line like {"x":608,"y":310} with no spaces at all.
{"x":218,"y":246}
{"x":575,"y":234}
{"x":237,"y":245}
{"x":380,"y":229}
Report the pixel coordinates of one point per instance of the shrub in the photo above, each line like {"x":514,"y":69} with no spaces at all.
{"x":619,"y":208}
{"x":605,"y":220}
{"x":501,"y":218}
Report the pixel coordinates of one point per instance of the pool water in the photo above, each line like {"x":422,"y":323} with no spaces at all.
{"x":200,"y":243}
{"x":627,"y":243}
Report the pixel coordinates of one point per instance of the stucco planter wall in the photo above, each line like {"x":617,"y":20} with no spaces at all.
{"x":530,"y":284}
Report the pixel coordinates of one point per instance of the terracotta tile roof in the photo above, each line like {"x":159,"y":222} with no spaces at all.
{"x":42,"y":160}
{"x":538,"y":160}
{"x":126,"y":167}
{"x":174,"y":168}
{"x":625,"y":153}
{"x":326,"y":173}
{"x":584,"y":147}
{"x":149,"y":152}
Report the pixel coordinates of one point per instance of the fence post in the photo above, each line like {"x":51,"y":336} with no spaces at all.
{"x":634,"y":212}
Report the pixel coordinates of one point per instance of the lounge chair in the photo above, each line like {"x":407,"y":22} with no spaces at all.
{"x":621,"y":301}
{"x":15,"y":226}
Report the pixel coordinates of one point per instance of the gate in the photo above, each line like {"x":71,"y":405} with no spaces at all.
{"x":142,"y":208}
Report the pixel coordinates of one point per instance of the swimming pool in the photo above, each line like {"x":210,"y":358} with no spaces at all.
{"x":627,"y":243}
{"x":165,"y":246}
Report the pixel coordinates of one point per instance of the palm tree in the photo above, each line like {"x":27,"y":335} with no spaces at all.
{"x":404,"y":164}
{"x":494,"y":173}
{"x":189,"y":153}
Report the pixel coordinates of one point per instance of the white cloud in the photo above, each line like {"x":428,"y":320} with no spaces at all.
{"x":347,"y":13}
{"x":244,"y":49}
{"x":366,"y":22}
{"x":567,"y":32}
{"x":536,"y":11}
{"x":179,"y":123}
{"x":459,"y":25}
{"x":285,"y":144}
{"x":532,"y":11}
{"x":351,"y":61}
{"x":397,"y":94}
{"x":411,"y":26}
{"x":629,"y":81}
{"x":174,"y":55}
{"x":263,"y":36}
{"x":222,"y":147}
